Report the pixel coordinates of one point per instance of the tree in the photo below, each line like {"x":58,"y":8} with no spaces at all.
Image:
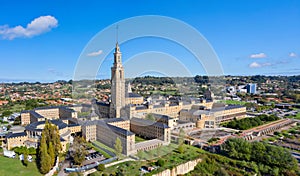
{"x":25,"y":159}
{"x":49,"y":147}
{"x":78,"y":151}
{"x":181,"y":136}
{"x":6,"y":113}
{"x":181,"y":147}
{"x":101,"y":167}
{"x":51,"y":153}
{"x":160,"y":162}
{"x":118,"y":146}
{"x":44,"y":158}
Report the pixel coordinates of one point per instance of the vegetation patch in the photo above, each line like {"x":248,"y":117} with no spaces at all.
{"x":247,"y":123}
{"x":139,"y":139}
{"x":14,"y":167}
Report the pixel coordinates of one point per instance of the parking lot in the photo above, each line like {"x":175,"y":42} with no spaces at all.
{"x":93,"y":157}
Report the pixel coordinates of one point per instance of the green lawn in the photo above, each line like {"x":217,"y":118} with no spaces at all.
{"x":168,"y":153}
{"x":10,"y":167}
{"x":297,"y":116}
{"x":167,"y":92}
{"x":15,"y":108}
{"x":235,"y":102}
{"x":139,"y":139}
{"x":106,"y":155}
{"x":104,"y":146}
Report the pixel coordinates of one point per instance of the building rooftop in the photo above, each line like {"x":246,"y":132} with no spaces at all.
{"x":207,"y":112}
{"x":141,"y":107}
{"x":111,"y":120}
{"x":36,"y":115}
{"x":13,"y":135}
{"x":54,"y":107}
{"x":133,"y":95}
{"x":144,"y":122}
{"x":102,"y":103}
{"x":103,"y":123}
{"x":72,"y":125}
{"x":161,"y":116}
{"x":33,"y":126}
{"x":120,"y":130}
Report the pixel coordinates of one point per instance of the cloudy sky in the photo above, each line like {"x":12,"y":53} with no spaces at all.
{"x":42,"y":40}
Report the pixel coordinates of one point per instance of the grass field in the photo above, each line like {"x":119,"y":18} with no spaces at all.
{"x":104,"y":146}
{"x":168,"y":153}
{"x":139,"y":139}
{"x":11,"y":167}
{"x":106,"y":155}
{"x":235,"y":102}
{"x":297,"y":116}
{"x":15,"y":108}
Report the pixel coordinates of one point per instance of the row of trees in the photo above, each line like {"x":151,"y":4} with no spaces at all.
{"x":78,"y":150}
{"x":151,"y":80}
{"x":49,"y":147}
{"x":23,"y":149}
{"x":262,"y":153}
{"x":201,"y":79}
{"x":247,"y":123}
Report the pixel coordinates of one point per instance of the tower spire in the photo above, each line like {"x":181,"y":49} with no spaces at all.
{"x":117,"y":34}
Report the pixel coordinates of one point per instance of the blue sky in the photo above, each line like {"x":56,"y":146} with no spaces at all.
{"x":250,"y":37}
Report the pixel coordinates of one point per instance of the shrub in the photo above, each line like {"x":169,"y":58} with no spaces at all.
{"x":101,"y":167}
{"x":160,"y":162}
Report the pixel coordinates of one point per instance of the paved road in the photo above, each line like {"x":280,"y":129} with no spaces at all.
{"x":108,"y":165}
{"x":65,"y":165}
{"x":118,"y":162}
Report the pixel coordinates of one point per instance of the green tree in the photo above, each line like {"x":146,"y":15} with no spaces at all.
{"x":101,"y":167}
{"x":160,"y":162}
{"x":51,"y":153}
{"x":181,"y":148}
{"x":25,"y":159}
{"x":44,"y":158}
{"x":78,"y":150}
{"x":181,"y":136}
{"x":49,"y":147}
{"x":6,"y":113}
{"x":118,"y":146}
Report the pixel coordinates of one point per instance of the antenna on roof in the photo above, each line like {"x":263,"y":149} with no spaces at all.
{"x":117,"y":32}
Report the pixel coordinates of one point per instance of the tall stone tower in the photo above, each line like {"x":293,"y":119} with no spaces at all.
{"x":117,"y":85}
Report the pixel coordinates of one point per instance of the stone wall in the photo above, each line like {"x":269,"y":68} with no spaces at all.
{"x":180,"y":169}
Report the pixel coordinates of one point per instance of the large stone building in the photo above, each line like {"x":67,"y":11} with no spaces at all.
{"x":43,"y":113}
{"x":32,"y":134}
{"x":108,"y":130}
{"x":65,"y":118}
{"x":123,"y":117}
{"x":128,"y":104}
{"x":211,"y":118}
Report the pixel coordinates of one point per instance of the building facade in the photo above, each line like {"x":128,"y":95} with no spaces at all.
{"x":251,"y":88}
{"x":211,"y":118}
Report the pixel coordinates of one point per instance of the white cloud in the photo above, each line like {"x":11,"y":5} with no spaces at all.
{"x":36,"y":27}
{"x":292,"y":54}
{"x":254,"y":65}
{"x":258,"y":65}
{"x":96,"y":53}
{"x":258,"y":56}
